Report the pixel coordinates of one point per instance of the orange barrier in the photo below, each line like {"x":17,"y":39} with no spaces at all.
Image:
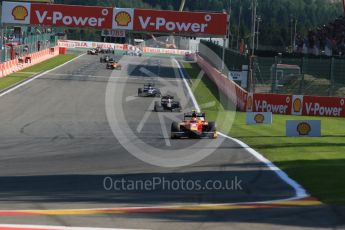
{"x":18,"y":64}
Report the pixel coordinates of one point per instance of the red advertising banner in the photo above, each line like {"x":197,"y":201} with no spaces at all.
{"x":72,"y":16}
{"x":323,"y":106}
{"x":194,"y":23}
{"x":180,"y":22}
{"x":296,"y":105}
{"x":275,"y":103}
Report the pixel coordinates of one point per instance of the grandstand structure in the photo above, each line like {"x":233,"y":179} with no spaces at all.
{"x":17,"y":41}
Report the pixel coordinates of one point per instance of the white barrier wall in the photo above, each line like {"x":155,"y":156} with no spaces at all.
{"x":125,"y":47}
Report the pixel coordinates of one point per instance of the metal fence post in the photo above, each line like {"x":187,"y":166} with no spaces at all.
{"x":222,"y":66}
{"x":331,"y":87}
{"x":2,"y":58}
{"x":274,"y":75}
{"x":301,"y":84}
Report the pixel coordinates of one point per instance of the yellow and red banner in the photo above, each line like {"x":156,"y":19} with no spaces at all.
{"x":196,"y":23}
{"x":322,"y":106}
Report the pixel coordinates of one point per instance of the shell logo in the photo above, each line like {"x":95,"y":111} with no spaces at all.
{"x":259,"y":118}
{"x":123,"y":18}
{"x":20,"y":13}
{"x":250,"y":102}
{"x":303,"y":128}
{"x":297,"y":105}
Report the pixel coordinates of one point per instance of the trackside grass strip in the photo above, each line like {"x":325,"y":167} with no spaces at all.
{"x":318,"y":164}
{"x":14,"y":78}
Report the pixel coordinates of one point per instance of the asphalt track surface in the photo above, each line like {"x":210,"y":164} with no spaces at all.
{"x":57,"y":148}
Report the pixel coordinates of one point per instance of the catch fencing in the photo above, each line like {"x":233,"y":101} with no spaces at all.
{"x":286,"y":73}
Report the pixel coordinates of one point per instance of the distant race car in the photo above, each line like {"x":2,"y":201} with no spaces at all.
{"x":194,"y":125}
{"x":114,"y":65}
{"x":106,"y":59}
{"x":135,"y":52}
{"x":149,"y":90}
{"x":102,"y":51}
{"x":92,"y":52}
{"x":167,"y":103}
{"x":189,"y":57}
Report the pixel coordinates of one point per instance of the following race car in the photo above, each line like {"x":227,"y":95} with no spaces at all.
{"x":106,"y":59}
{"x":167,"y":103}
{"x":194,"y":125}
{"x":107,"y":51}
{"x":114,"y":65}
{"x":149,"y":90}
{"x":92,"y":52}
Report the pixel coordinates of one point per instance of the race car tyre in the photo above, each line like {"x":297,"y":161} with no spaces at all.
{"x":175,"y":127}
{"x":140,"y":91}
{"x":211,"y":126}
{"x":158,"y":107}
{"x":179,"y":108}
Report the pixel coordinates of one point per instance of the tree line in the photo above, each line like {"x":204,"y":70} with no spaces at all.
{"x":278,"y":17}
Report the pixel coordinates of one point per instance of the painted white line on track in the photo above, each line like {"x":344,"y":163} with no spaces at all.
{"x":39,"y":75}
{"x":47,"y":227}
{"x":300,"y":192}
{"x":190,"y":92}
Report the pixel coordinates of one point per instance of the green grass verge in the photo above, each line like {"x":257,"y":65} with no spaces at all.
{"x":35,"y":69}
{"x":318,"y":164}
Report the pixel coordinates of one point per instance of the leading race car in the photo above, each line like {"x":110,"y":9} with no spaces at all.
{"x":167,"y":103}
{"x":92,"y":52}
{"x":114,"y":65}
{"x":106,"y":59}
{"x":194,"y":125}
{"x":149,"y":90}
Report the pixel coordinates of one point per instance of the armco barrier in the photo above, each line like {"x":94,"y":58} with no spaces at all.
{"x":230,"y":89}
{"x":18,"y":64}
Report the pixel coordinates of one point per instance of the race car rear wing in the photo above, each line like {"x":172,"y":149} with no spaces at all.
{"x":149,"y":85}
{"x":190,"y":115}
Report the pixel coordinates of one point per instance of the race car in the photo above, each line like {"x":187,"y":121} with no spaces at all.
{"x":194,"y":125}
{"x":189,"y":57}
{"x":92,"y":52}
{"x":167,"y":103}
{"x":114,"y":65}
{"x":106,"y":59}
{"x":149,"y":90}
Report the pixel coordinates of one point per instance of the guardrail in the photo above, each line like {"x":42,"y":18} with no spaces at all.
{"x":12,"y":66}
{"x":230,"y":89}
